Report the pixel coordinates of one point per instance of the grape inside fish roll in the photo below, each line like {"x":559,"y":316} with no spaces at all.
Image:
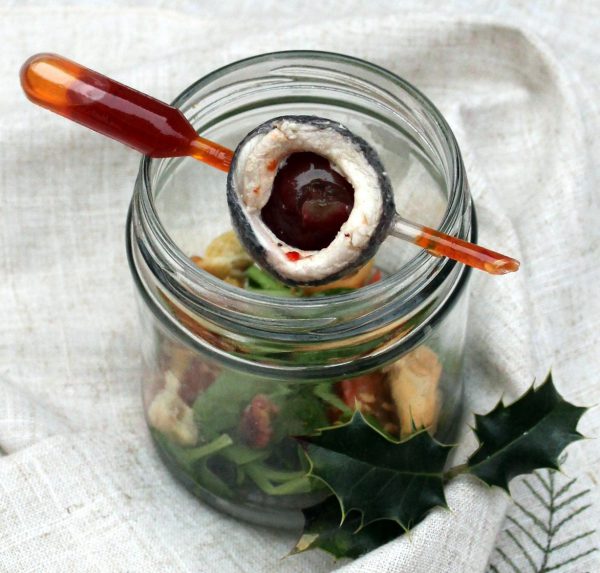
{"x":310,"y":200}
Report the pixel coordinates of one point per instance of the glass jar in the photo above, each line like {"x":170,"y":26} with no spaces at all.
{"x":231,"y":376}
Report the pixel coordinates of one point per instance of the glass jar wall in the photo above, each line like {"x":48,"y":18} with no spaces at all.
{"x":231,"y":376}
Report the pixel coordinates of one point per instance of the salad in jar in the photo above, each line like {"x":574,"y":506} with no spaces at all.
{"x":234,"y":434}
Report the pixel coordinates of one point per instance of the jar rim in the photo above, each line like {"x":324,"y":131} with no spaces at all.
{"x":333,"y":371}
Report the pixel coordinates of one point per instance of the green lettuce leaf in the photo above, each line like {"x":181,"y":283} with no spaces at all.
{"x":219,"y":408}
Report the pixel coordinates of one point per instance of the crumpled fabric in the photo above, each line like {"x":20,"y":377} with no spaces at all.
{"x":81,"y":488}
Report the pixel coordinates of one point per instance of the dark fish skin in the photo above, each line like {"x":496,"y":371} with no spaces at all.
{"x":244,"y":230}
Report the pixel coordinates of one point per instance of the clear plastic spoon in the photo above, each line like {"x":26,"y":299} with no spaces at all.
{"x":157,"y":129}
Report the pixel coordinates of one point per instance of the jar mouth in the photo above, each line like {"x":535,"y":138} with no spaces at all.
{"x":417,"y":273}
{"x":355,"y":330}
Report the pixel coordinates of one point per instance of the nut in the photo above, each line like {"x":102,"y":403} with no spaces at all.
{"x":169,"y":414}
{"x":414,"y":381}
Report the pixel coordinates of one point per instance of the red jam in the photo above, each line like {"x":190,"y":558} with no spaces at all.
{"x":309,"y":202}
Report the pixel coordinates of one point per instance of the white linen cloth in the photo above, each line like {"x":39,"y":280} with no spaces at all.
{"x":81,"y":488}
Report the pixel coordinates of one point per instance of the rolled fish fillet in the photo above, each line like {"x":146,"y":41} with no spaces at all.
{"x":250,"y":182}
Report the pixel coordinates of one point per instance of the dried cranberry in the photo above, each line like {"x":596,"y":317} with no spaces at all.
{"x":198,"y":376}
{"x":255,"y":426}
{"x":309,"y":202}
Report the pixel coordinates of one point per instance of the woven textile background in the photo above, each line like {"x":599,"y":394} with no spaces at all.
{"x":81,"y":489}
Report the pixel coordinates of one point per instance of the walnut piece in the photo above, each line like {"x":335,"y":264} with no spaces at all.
{"x":169,"y":414}
{"x":413,"y":382}
{"x":225,"y":258}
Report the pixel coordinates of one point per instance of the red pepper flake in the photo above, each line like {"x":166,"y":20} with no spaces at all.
{"x":376,"y":277}
{"x":293,"y":256}
{"x":256,"y":190}
{"x":353,"y":389}
{"x":272,"y":165}
{"x":371,"y":394}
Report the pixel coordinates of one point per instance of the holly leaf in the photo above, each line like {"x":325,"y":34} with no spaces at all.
{"x":382,"y":487}
{"x":376,"y":476}
{"x":322,"y":529}
{"x":525,"y":436}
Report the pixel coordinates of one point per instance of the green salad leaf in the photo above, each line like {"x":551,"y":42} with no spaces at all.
{"x":277,"y":469}
{"x":260,"y":280}
{"x":299,"y":414}
{"x":193,"y":461}
{"x":219,"y":407}
{"x":188,"y":457}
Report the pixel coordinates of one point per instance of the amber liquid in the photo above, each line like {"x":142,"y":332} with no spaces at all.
{"x":470,"y":254}
{"x":117,"y":111}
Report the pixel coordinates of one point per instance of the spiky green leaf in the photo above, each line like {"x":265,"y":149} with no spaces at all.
{"x":323,"y":529}
{"x":524,"y":436}
{"x":376,"y":476}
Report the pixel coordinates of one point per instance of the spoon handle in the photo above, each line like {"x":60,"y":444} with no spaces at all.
{"x":160,"y":130}
{"x":116,"y":110}
{"x":441,"y":245}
